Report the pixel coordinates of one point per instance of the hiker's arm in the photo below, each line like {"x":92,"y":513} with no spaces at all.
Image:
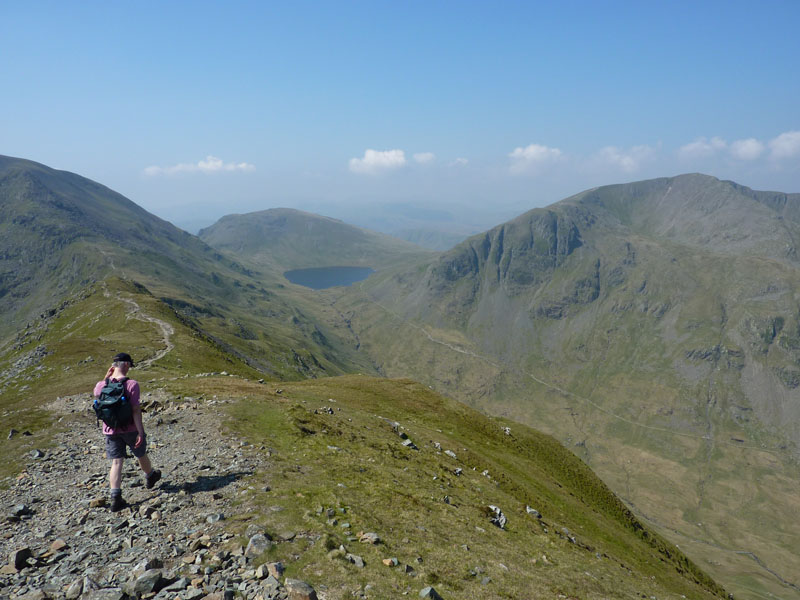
{"x":137,"y":413}
{"x":137,"y":420}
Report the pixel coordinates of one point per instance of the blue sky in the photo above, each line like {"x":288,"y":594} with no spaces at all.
{"x":482,"y":109}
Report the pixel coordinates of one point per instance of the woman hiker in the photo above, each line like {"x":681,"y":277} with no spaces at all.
{"x":130,"y":433}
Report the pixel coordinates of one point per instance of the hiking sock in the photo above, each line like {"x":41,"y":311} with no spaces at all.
{"x":115,"y":492}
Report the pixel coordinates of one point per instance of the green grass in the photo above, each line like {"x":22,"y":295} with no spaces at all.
{"x":352,"y":461}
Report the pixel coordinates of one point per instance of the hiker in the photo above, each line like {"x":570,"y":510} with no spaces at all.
{"x":127,"y":430}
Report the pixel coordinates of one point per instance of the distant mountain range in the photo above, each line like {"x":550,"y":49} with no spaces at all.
{"x":653,"y":328}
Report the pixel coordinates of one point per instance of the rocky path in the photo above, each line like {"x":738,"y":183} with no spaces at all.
{"x":60,"y":541}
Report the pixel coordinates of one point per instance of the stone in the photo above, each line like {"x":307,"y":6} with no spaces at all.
{"x":410,"y":444}
{"x":98,"y":502}
{"x":390,"y":562}
{"x":75,"y":589}
{"x":149,"y":582}
{"x":356,"y":560}
{"x":257,"y":545}
{"x":20,"y":510}
{"x":58,"y":545}
{"x":369,"y":538}
{"x":430,"y":592}
{"x":12,"y":433}
{"x":19,"y":558}
{"x":215,"y":518}
{"x":533,"y":512}
{"x":497,"y":517}
{"x":275,"y":569}
{"x":148,"y":564}
{"x":178,"y":585}
{"x":300,"y":590}
{"x":37,"y":453}
{"x":105,"y":594}
{"x":451,"y":454}
{"x":271,"y":583}
{"x":252,"y":530}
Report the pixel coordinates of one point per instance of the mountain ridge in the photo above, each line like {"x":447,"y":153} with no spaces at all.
{"x":637,"y":309}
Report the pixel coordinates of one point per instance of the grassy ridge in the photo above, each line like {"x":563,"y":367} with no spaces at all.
{"x":354,"y":462}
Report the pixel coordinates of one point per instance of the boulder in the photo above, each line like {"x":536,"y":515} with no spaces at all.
{"x":430,"y":592}
{"x":300,"y":590}
{"x":497,"y":517}
{"x":257,"y":545}
{"x":147,"y":583}
{"x":19,"y":558}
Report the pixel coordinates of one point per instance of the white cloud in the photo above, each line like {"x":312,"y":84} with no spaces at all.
{"x":529,"y":158}
{"x":424,"y":157}
{"x":702,"y":148}
{"x":786,"y":145}
{"x":749,"y":149}
{"x":211,"y":164}
{"x":375,"y":161}
{"x":627,"y":161}
{"x":459,"y":162}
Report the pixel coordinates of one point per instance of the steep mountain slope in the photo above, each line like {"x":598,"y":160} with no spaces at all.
{"x":652,"y":326}
{"x":334,"y":444}
{"x":283,"y":238}
{"x":60,"y":232}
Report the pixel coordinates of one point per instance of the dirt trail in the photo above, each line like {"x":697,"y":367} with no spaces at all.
{"x":179,"y":526}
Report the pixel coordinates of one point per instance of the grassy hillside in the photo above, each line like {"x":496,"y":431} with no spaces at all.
{"x":335,"y":444}
{"x":60,"y":232}
{"x":649,"y":326}
{"x":283,"y":238}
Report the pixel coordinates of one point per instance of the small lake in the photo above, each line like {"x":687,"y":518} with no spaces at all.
{"x":320,"y":278}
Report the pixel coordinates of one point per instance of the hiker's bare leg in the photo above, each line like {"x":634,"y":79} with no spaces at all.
{"x":144,"y":463}
{"x":115,"y":474}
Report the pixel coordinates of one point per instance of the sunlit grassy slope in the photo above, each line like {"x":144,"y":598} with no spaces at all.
{"x":335,"y":444}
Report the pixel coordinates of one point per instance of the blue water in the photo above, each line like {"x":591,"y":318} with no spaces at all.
{"x":320,"y":278}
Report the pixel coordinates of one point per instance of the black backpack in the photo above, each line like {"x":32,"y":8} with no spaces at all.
{"x":113,"y":407}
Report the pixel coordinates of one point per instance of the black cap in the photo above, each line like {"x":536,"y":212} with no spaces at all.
{"x":124,"y":357}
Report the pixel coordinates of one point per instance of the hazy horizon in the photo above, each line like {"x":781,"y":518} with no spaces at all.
{"x":375,"y":113}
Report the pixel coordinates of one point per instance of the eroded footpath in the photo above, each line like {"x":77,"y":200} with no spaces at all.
{"x":60,"y":540}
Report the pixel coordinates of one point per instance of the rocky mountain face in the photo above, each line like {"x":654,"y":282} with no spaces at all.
{"x":653,"y":326}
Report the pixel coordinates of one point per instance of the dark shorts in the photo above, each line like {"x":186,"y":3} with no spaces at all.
{"x":115,"y":445}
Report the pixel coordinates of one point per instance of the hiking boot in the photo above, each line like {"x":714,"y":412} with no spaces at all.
{"x":152,"y":478}
{"x":118,"y":503}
